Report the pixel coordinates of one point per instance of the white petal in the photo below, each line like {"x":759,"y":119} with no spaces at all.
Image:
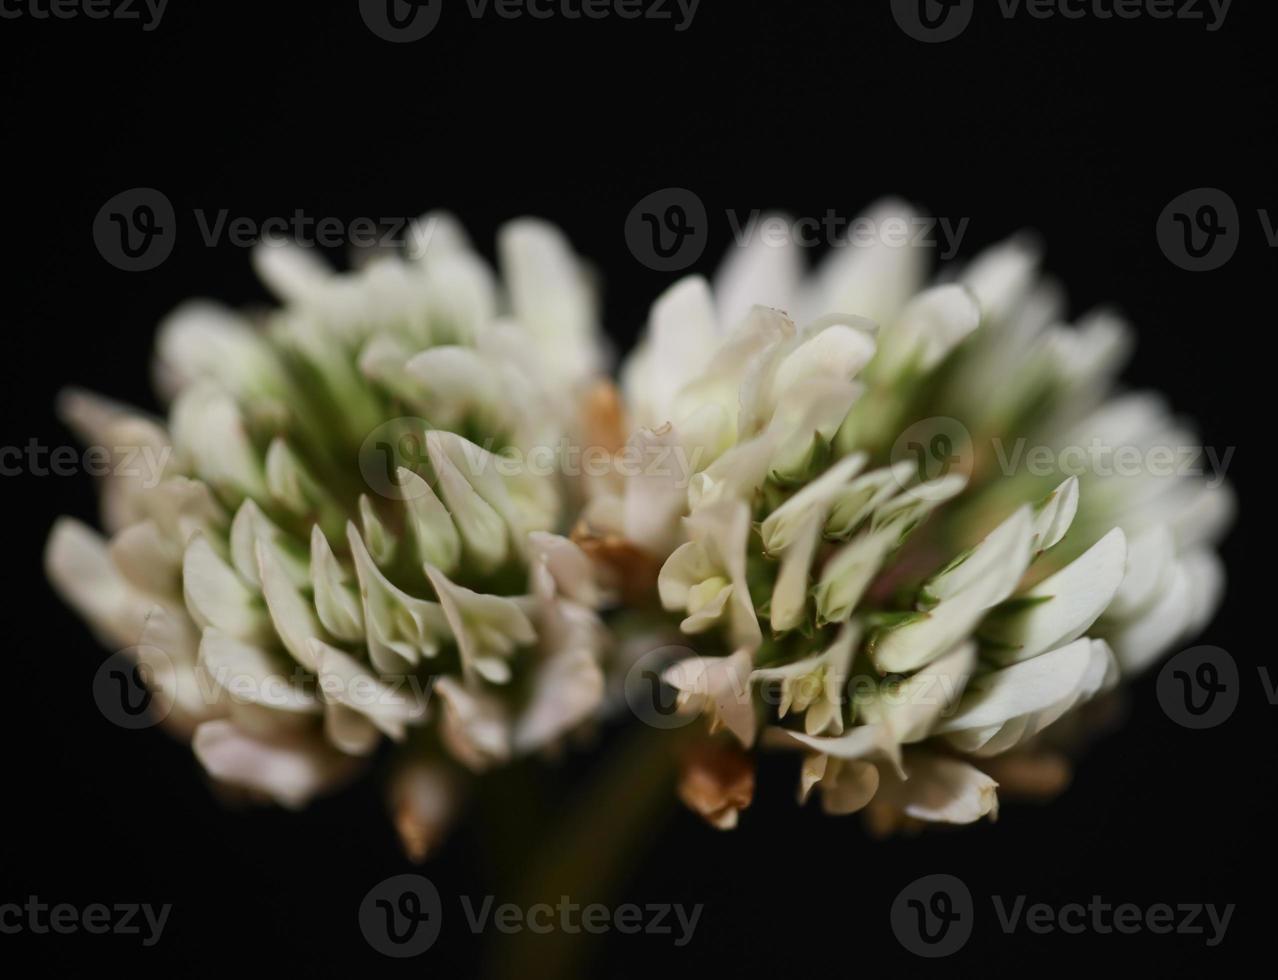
{"x":569,"y":567}
{"x":291,"y":272}
{"x":293,"y":616}
{"x":1064,"y":604}
{"x":433,"y":527}
{"x":874,"y":275}
{"x":851,"y":789}
{"x":251,"y":525}
{"x":1054,"y":515}
{"x":474,"y":725}
{"x":1151,"y":556}
{"x":456,"y":384}
{"x":757,"y":272}
{"x":201,"y":339}
{"x":147,"y":558}
{"x":289,"y":770}
{"x":336,"y":603}
{"x":249,"y":674}
{"x":209,"y":430}
{"x":400,"y":628}
{"x":656,"y":494}
{"x":478,"y":513}
{"x":216,"y":596}
{"x":1002,"y":277}
{"x":780,"y":528}
{"x":931,"y":325}
{"x":78,"y":564}
{"x":1206,"y":587}
{"x":840,"y":351}
{"x":680,"y":340}
{"x":847,"y":574}
{"x":985,"y":579}
{"x":549,"y":293}
{"x":910,"y":709}
{"x":567,"y":688}
{"x":719,"y":686}
{"x":1140,"y":642}
{"x":487,"y":628}
{"x":345,"y":681}
{"x":349,"y":730}
{"x":1005,"y":707}
{"x":940,"y":790}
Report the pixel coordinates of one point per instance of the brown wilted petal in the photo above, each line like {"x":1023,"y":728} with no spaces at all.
{"x":1030,"y":775}
{"x":716,"y":780}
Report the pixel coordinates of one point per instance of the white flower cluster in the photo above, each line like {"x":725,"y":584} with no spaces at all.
{"x":897,"y":608}
{"x":335,"y":553}
{"x":299,"y":583}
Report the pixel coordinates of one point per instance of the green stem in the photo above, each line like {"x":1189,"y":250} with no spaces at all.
{"x":595,"y":848}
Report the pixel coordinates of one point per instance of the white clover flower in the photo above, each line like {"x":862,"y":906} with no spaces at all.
{"x":903,"y":604}
{"x":335,"y":535}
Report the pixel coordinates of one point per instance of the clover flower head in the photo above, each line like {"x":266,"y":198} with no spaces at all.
{"x":861,"y":573}
{"x":336,"y":552}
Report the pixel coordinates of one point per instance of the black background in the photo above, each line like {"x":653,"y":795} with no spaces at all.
{"x":1083,"y":131}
